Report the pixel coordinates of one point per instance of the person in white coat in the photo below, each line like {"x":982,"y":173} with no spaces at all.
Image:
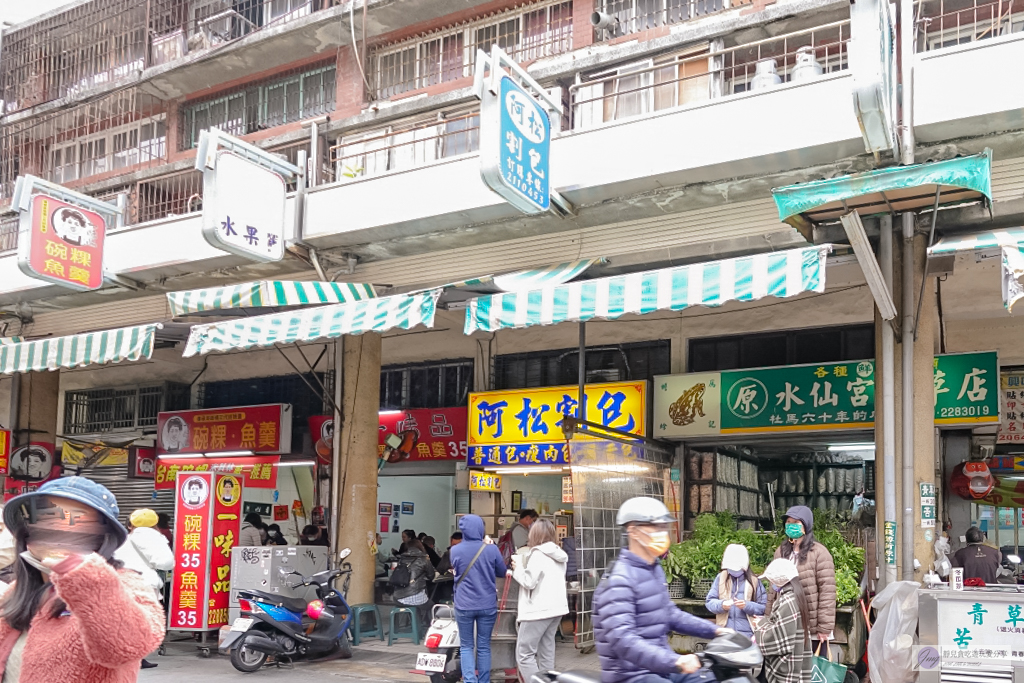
{"x":539,"y":568}
{"x":146,"y":551}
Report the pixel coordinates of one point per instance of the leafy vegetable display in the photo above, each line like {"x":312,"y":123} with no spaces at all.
{"x":701,"y":556}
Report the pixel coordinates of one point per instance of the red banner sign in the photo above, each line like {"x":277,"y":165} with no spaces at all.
{"x":142,"y":463}
{"x":427,"y":433}
{"x":227,"y":523}
{"x":190,"y":585}
{"x":63,"y":244}
{"x":255,"y":471}
{"x":5,"y":450}
{"x":260,"y":429}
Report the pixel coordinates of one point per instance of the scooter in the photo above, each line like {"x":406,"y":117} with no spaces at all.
{"x":729,"y":658}
{"x":442,"y":663}
{"x":290,"y":629}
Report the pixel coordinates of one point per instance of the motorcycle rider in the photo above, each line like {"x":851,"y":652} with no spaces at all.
{"x":632,"y":609}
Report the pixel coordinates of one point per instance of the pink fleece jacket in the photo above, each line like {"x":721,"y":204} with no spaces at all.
{"x":115,"y":621}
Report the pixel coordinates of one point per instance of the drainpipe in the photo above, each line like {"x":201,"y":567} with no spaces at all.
{"x":888,"y":372}
{"x":908,"y":396}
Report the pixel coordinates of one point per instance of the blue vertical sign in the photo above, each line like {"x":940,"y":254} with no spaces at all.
{"x":515,"y":147}
{"x":525,"y":145}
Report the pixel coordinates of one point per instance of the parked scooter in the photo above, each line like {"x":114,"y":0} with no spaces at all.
{"x":279,"y":627}
{"x":730,"y":658}
{"x":442,"y":663}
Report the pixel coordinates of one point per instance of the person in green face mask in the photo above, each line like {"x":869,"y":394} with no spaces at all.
{"x":817,"y":572}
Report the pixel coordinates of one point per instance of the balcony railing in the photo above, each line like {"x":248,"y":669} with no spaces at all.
{"x":632,"y":16}
{"x":104,"y":40}
{"x":680,"y":80}
{"x":944,"y":23}
{"x":9,"y":232}
{"x":394,"y":149}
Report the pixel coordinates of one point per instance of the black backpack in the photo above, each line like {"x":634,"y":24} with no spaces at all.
{"x":401,"y":576}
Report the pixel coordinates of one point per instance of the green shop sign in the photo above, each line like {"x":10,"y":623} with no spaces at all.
{"x":827,"y":396}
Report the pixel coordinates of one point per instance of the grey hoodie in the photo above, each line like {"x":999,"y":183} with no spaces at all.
{"x":540,"y":571}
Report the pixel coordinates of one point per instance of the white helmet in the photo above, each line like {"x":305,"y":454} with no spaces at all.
{"x":643,"y":511}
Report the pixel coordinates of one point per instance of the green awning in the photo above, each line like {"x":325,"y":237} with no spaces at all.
{"x":267,"y":294}
{"x":402,"y":311}
{"x":992,"y":239}
{"x":79,"y":350}
{"x":887,"y":190}
{"x":558,"y":274}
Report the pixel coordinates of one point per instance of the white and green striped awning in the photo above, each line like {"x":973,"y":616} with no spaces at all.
{"x":527,"y":279}
{"x":1008,"y":237}
{"x":75,"y":351}
{"x":267,"y":293}
{"x":402,"y":311}
{"x":748,"y":278}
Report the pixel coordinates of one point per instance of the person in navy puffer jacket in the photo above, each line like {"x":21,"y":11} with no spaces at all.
{"x":477,"y":563}
{"x":633,"y":613}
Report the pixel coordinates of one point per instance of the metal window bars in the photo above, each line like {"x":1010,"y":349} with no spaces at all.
{"x":525,"y":32}
{"x":944,"y":23}
{"x":633,"y":16}
{"x":174,"y":194}
{"x":406,"y":146}
{"x":9,"y":232}
{"x":102,"y":41}
{"x":298,"y":94}
{"x":688,"y":78}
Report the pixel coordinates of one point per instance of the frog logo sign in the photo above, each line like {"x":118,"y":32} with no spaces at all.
{"x":747,"y":398}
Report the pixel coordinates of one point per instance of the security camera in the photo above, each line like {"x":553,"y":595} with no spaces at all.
{"x":605,"y":22}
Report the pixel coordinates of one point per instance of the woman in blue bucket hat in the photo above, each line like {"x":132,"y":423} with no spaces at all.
{"x":73,"y":613}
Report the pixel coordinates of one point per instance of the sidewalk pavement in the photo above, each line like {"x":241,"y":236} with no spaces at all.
{"x":371,"y":661}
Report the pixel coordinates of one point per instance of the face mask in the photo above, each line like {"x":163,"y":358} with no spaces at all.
{"x":58,"y":527}
{"x":736,"y":573}
{"x":776,"y":588}
{"x":794,"y":530}
{"x":658,"y":542}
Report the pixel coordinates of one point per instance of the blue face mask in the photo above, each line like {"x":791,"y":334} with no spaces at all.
{"x":776,"y":588}
{"x":737,"y":573}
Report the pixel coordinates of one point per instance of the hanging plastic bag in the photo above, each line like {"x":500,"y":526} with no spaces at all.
{"x":893,"y":637}
{"x":942,"y":563}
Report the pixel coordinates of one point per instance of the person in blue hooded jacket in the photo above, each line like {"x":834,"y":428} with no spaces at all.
{"x":633,"y":613}
{"x":477,"y":563}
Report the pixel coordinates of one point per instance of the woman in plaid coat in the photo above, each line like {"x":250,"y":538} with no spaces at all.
{"x":783,"y":636}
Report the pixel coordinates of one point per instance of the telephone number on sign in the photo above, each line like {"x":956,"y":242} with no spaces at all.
{"x":964,"y":411}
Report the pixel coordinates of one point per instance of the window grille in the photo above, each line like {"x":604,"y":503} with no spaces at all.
{"x":525,"y":33}
{"x":619,"y":363}
{"x":641,"y":15}
{"x":944,"y":23}
{"x":266,"y":104}
{"x":98,"y":411}
{"x":791,"y":347}
{"x":426,"y":385}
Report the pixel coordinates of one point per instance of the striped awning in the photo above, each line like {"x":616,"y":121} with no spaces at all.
{"x":536,"y":278}
{"x":75,"y":351}
{"x":267,"y":293}
{"x":748,"y":278}
{"x":402,"y":311}
{"x":1010,"y":237}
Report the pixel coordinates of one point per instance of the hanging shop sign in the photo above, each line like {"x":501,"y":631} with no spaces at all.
{"x":62,"y":243}
{"x":1011,"y":429}
{"x":261,"y":509}
{"x":431,"y":433}
{"x":207,"y":517}
{"x":86,"y":455}
{"x":515,"y":135}
{"x":966,"y":390}
{"x":567,"y":489}
{"x":982,"y":630}
{"x":780,"y":399}
{"x":524,"y":426}
{"x":259,"y":429}
{"x":33,"y":463}
{"x":141,"y":462}
{"x":873,"y":64}
{"x":484,"y":481}
{"x":255,"y":471}
{"x":5,"y":450}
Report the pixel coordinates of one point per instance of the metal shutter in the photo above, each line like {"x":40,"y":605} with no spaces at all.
{"x":132,"y":494}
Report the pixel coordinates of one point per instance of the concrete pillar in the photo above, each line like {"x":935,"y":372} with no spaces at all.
{"x":924,"y":456}
{"x":957,"y":448}
{"x":38,"y":395}
{"x":355,"y":458}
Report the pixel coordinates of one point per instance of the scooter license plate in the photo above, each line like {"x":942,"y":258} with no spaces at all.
{"x":427,"y":661}
{"x":242,"y":624}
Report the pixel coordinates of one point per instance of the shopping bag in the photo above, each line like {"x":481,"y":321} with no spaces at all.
{"x":824,"y":670}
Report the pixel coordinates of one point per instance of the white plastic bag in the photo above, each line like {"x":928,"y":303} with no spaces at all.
{"x":893,"y":637}
{"x":942,"y":563}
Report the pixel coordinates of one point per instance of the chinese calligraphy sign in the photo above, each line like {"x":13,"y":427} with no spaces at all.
{"x":966,"y":388}
{"x":227,"y":523}
{"x":1011,"y":429}
{"x":243,"y":208}
{"x":62,"y":243}
{"x":515,"y":147}
{"x":438,"y":433}
{"x":484,"y":481}
{"x":980,"y":631}
{"x":259,"y":471}
{"x":260,"y":429}
{"x":190,"y":580}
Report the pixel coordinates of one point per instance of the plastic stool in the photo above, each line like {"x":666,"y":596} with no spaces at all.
{"x":414,"y":627}
{"x":356,"y":625}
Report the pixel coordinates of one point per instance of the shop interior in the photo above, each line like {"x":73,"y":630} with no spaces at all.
{"x":546,"y":489}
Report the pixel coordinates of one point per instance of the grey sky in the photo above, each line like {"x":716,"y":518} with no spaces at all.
{"x":17,"y":11}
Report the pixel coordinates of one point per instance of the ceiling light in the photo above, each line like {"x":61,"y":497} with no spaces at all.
{"x":521,"y":470}
{"x":852,"y":447}
{"x":227,"y":454}
{"x":295,"y":463}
